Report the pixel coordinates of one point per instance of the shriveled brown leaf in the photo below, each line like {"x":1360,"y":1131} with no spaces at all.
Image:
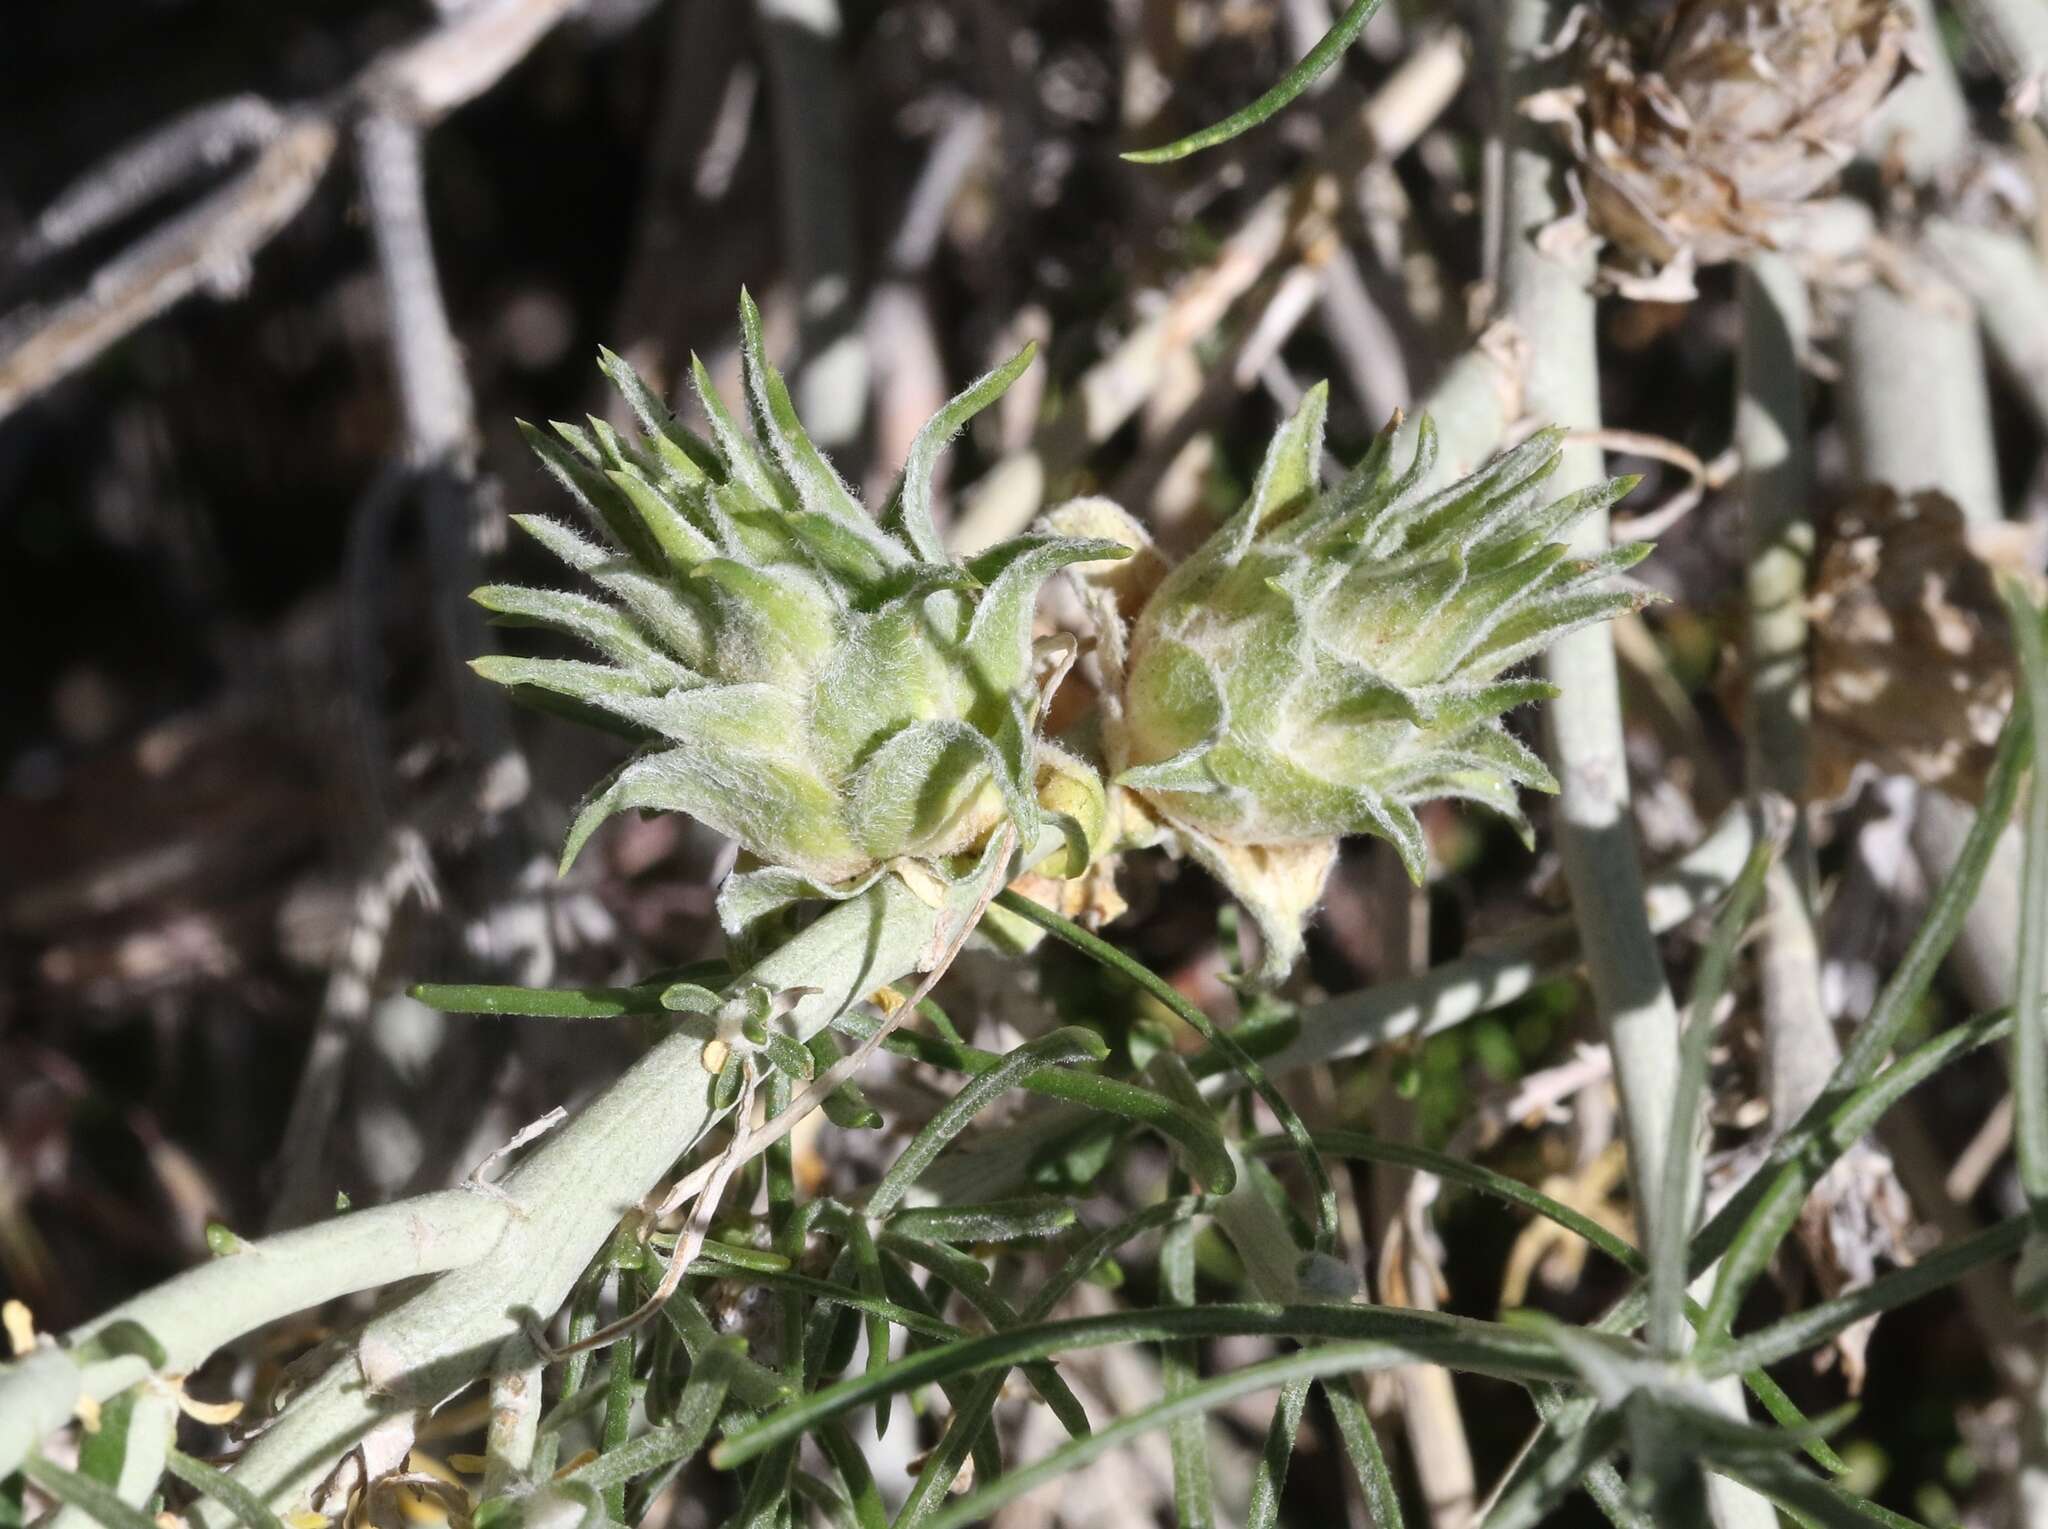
{"x":1912,"y":658}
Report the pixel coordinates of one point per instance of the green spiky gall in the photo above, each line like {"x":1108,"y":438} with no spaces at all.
{"x":833,"y":690}
{"x":1329,"y":660}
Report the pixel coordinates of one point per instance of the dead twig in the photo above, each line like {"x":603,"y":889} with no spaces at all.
{"x":209,"y":245}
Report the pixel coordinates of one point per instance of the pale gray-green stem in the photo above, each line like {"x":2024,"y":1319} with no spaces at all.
{"x":1945,"y":422}
{"x":1548,"y":298}
{"x":200,"y":1310}
{"x":210,"y":1306}
{"x":2002,"y":274}
{"x":1906,"y":431}
{"x":507,"y":1256}
{"x":1770,"y":433}
{"x":567,"y":1197}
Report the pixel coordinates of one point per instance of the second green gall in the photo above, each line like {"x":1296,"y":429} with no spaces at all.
{"x":1328,"y":660}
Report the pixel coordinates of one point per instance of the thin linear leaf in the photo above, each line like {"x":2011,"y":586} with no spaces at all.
{"x":1362,"y":1448}
{"x":1062,"y":1046}
{"x":1671,"y":1227}
{"x":103,"y":1450}
{"x":965,"y":1431}
{"x":970,"y":1432}
{"x":1769,"y":1212}
{"x":683,"y":1437}
{"x":854,"y":1474}
{"x":95,"y":1499}
{"x":1329,"y":1359}
{"x":1356,"y":1144}
{"x":539,"y":1002}
{"x":2030,"y":1022}
{"x":1018,"y":1220}
{"x":1555,"y":1468}
{"x":752,"y":1382}
{"x":824,"y":1497}
{"x":223,"y":1489}
{"x":1808,"y":1329}
{"x":1818,"y":1139}
{"x":1195,"y":1135}
{"x":1314,"y":64}
{"x":1427,"y":1337}
{"x":832,"y":1293}
{"x":618,"y":1408}
{"x":1815,"y":1140}
{"x":1187,"y":1437}
{"x":1457,"y":1170}
{"x":1269,"y":1477}
{"x":970,"y":1281}
{"x":1107,"y":955}
{"x":1818,"y":1502}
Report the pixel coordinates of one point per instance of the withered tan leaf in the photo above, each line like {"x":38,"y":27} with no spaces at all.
{"x":1912,"y":658}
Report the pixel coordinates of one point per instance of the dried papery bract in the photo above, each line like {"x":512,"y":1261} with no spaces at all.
{"x":837,"y":693}
{"x":1328,"y":660}
{"x":1701,"y":144}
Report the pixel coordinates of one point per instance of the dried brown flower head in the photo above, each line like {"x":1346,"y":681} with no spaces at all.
{"x":1699,"y":144}
{"x":1912,"y":657}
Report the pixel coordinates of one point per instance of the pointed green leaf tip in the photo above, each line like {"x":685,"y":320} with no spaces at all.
{"x":1329,"y":660}
{"x":837,"y":694}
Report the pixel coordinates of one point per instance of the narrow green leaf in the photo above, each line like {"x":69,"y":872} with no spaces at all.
{"x":1067,"y":1045}
{"x":1462,"y":1343}
{"x":1671,"y":1225}
{"x":538,"y":1002}
{"x":1554,"y":1470}
{"x":2030,"y":986}
{"x":1026,"y":1217}
{"x":618,"y":1408}
{"x":1196,"y":1401}
{"x":854,"y":1474}
{"x":95,"y":1499}
{"x":1107,"y":955}
{"x":224,"y":1489}
{"x":1362,"y":1448}
{"x":102,"y":1450}
{"x":695,"y":1417}
{"x":1269,"y":1477}
{"x":1314,"y":64}
{"x":846,"y":1106}
{"x":1194,"y":1135}
{"x":966,"y":1430}
{"x":123,"y":1339}
{"x":1356,"y":1144}
{"x":1770,"y":1208}
{"x":1180,"y":1369}
{"x":970,"y":1432}
{"x":1817,"y":1324}
{"x":752,"y":1382}
{"x":970,"y":1281}
{"x":1824,"y":1503}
